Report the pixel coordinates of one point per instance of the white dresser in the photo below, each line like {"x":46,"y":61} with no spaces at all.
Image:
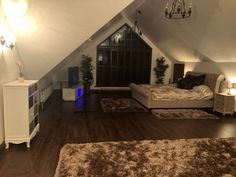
{"x":21,"y":111}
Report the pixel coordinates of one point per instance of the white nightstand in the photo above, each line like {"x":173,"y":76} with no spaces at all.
{"x":224,"y":103}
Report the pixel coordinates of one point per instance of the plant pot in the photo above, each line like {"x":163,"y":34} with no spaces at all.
{"x":86,"y":88}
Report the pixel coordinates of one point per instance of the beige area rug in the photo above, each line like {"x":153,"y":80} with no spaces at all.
{"x":121,"y":105}
{"x":182,"y":158}
{"x":182,"y":114}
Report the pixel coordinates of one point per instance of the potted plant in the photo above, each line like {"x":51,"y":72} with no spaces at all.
{"x":160,"y":70}
{"x":86,"y":68}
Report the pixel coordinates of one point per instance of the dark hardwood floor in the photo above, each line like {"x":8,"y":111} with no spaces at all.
{"x":61,"y":123}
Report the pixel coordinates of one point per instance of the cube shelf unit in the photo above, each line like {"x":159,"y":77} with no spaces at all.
{"x":21,"y":111}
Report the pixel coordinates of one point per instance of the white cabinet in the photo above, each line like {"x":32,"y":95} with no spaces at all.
{"x":72,"y":93}
{"x":21,"y":111}
{"x":224,"y":103}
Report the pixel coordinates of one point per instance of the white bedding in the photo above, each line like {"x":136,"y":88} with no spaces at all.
{"x":171,"y":92}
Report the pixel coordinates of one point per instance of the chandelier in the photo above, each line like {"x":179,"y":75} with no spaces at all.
{"x":136,"y":27}
{"x":178,"y":10}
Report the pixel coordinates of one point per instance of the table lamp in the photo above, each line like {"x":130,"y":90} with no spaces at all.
{"x":231,"y":86}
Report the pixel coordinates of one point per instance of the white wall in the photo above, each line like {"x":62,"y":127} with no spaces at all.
{"x":226,"y":68}
{"x":90,"y":48}
{"x":8,"y":72}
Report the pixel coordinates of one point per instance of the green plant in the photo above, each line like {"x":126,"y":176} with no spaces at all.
{"x":86,"y":68}
{"x":160,"y":70}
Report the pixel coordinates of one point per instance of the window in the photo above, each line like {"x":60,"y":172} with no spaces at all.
{"x":122,"y":58}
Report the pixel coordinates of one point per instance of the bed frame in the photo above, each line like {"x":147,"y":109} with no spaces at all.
{"x":211,"y":80}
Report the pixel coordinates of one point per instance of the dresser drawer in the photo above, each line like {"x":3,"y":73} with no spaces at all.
{"x":219,"y":103}
{"x":219,"y":97}
{"x":218,"y":108}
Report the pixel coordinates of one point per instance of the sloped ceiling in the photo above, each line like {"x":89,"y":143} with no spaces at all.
{"x":57,"y":27}
{"x":209,"y":35}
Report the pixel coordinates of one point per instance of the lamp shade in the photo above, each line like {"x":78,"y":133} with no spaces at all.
{"x":234,"y":85}
{"x":230,"y":85}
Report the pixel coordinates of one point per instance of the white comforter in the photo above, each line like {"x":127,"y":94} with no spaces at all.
{"x":171,"y":92}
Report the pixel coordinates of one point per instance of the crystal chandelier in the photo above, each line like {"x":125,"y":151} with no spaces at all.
{"x":178,"y":10}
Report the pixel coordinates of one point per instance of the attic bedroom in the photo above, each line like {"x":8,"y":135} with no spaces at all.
{"x":117,"y":88}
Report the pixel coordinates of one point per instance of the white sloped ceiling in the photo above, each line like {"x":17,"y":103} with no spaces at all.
{"x":55,"y":28}
{"x":209,"y":35}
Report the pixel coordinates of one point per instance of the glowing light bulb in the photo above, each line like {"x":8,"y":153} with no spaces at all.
{"x":3,"y":29}
{"x":10,"y":38}
{"x":15,"y":8}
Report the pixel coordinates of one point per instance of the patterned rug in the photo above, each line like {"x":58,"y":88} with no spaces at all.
{"x":183,"y":158}
{"x":182,"y":114}
{"x":121,"y":105}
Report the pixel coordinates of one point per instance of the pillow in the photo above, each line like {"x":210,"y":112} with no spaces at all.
{"x":204,"y":91}
{"x":185,"y":83}
{"x":190,"y":81}
{"x":198,"y":80}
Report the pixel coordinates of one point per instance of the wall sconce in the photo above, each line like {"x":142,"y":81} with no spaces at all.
{"x":13,"y":10}
{"x":231,"y":86}
{"x":7,"y":39}
{"x":5,"y":42}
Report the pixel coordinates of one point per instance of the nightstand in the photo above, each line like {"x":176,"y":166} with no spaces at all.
{"x":224,"y":103}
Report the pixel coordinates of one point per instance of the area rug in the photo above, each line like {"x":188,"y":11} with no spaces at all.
{"x":182,"y":114}
{"x":121,"y":105}
{"x":193,"y":157}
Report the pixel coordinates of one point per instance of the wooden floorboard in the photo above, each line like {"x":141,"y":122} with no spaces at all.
{"x":62,"y":122}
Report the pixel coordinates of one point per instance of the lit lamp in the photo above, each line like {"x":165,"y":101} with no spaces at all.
{"x":15,"y":8}
{"x":231,"y":86}
{"x":13,"y":11}
{"x":7,"y":40}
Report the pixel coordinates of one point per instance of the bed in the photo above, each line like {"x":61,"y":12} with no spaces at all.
{"x":145,"y":96}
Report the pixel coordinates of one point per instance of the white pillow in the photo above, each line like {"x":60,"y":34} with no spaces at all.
{"x":202,"y":88}
{"x":204,"y":91}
